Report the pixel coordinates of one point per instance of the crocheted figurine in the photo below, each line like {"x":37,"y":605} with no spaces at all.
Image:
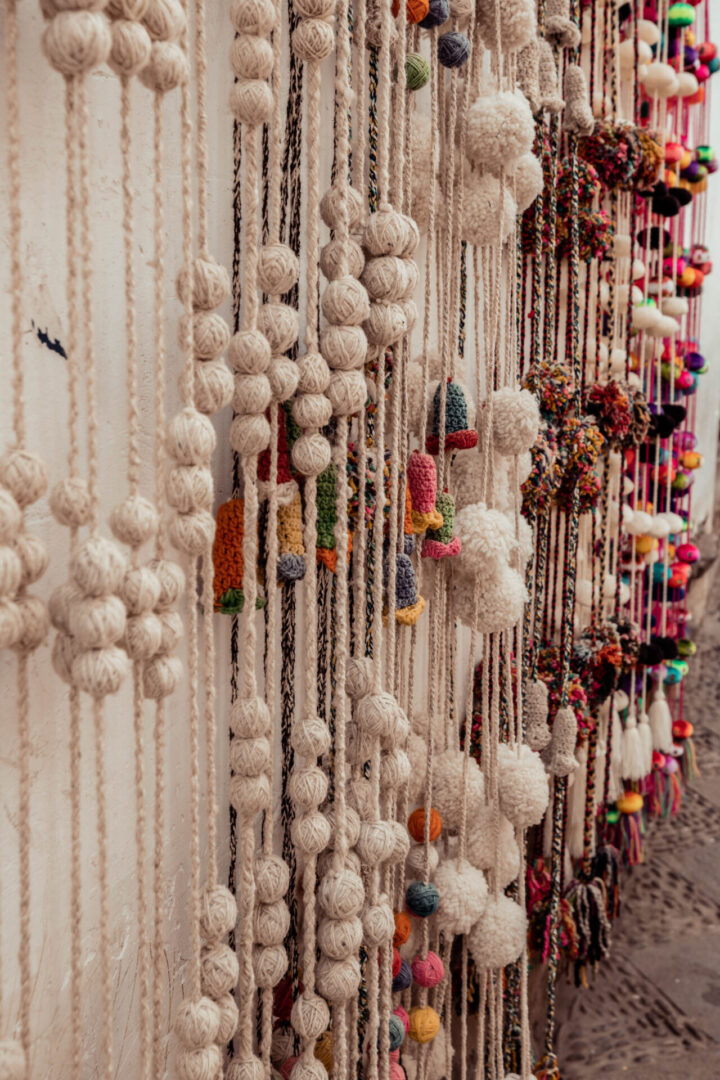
{"x":408,"y":527}
{"x":458,"y":436}
{"x":291,"y":551}
{"x":440,"y":543}
{"x":409,"y":606}
{"x":228,"y":558}
{"x":286,"y":485}
{"x":422,"y":484}
{"x":327,"y":518}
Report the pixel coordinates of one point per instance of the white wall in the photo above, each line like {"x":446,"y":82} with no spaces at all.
{"x":43,"y":247}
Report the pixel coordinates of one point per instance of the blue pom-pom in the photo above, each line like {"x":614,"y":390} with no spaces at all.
{"x":438,"y":13}
{"x":422,"y":899}
{"x":403,"y":978}
{"x":397,"y":1032}
{"x":453,"y":49}
{"x":409,"y":544}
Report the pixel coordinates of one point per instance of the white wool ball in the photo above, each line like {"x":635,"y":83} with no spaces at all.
{"x":338,"y":981}
{"x":375,"y":842}
{"x":218,"y":912}
{"x":341,"y":894}
{"x":498,"y":938}
{"x":491,"y":843}
{"x":34,"y":622}
{"x":463,"y":895}
{"x":515,"y":420}
{"x":448,"y":787}
{"x":24,"y":474}
{"x":197,"y":1022}
{"x":190,"y":438}
{"x":524,"y":467}
{"x":97,"y":621}
{"x":10,"y":518}
{"x":204,"y":1061}
{"x":97,"y":567}
{"x":100,"y":671}
{"x":270,"y":962}
{"x":160,"y":676}
{"x":134,"y":521}
{"x":415,"y":861}
{"x":482,"y":220}
{"x":280,"y":325}
{"x":339,"y":938}
{"x":527,"y":181}
{"x":167,"y":68}
{"x":487,"y":539}
{"x":10,"y":572}
{"x":69,"y":504}
{"x":271,"y":923}
{"x":522,"y":785}
{"x":526,"y":539}
{"x":499,"y":130}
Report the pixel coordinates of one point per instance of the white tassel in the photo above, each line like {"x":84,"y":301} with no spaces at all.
{"x":576,"y":803}
{"x":632,"y":750}
{"x":660,"y":721}
{"x":616,"y":784}
{"x":646,"y":741}
{"x":600,"y":758}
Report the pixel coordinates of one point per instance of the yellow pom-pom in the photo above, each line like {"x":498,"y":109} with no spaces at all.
{"x":630,"y":802}
{"x":424,"y":1024}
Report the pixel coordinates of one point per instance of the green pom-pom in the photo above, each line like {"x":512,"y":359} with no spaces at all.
{"x":681,"y":15}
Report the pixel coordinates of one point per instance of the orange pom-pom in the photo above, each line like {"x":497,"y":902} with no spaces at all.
{"x":402,"y":928}
{"x":416,"y":9}
{"x":416,"y":824}
{"x":228,"y":548}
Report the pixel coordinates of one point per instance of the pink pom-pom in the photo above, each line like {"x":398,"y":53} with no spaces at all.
{"x":396,"y":1071}
{"x":394,"y":1056}
{"x":402,"y":1015}
{"x":422,"y":480}
{"x":428,"y":971}
{"x":687,"y":553}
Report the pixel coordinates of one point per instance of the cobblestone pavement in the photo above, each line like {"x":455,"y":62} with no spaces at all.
{"x":653,"y":1010}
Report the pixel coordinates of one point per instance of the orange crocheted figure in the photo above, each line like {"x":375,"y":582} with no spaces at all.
{"x":228,"y":557}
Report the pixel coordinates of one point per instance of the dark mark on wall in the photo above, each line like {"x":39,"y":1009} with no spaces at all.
{"x":53,"y":344}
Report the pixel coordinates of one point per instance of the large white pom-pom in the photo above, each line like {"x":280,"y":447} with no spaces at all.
{"x":483,"y":221}
{"x":527,"y":182}
{"x":516,"y":420}
{"x":448,"y":795}
{"x":522,"y":786}
{"x":501,"y":601}
{"x":463,"y":895}
{"x":492,"y":844}
{"x":500,"y":129}
{"x":498,"y":938}
{"x":488,"y":540}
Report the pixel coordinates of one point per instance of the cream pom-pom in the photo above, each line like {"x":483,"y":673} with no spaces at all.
{"x":339,"y":938}
{"x":134,"y":521}
{"x":251,"y":101}
{"x":271,"y":923}
{"x":253,"y":16}
{"x":279,"y":323}
{"x":190,"y":438}
{"x":515,"y":20}
{"x":483,"y":222}
{"x":344,"y":347}
{"x":338,"y":980}
{"x":448,"y":794}
{"x":341,"y":894}
{"x":270,"y":962}
{"x":97,"y":621}
{"x":311,"y":454}
{"x":210,"y":284}
{"x":515,"y":420}
{"x":491,"y":844}
{"x":500,"y":603}
{"x":164,"y":20}
{"x":385,"y":232}
{"x":203,"y":1063}
{"x":310,"y":1015}
{"x":166,"y":69}
{"x":498,"y":938}
{"x":97,"y":567}
{"x":209,"y":385}
{"x":100,"y":672}
{"x":338,"y":257}
{"x":272,"y":878}
{"x":463,"y":895}
{"x":69,"y":503}
{"x":10,"y":572}
{"x":376,"y":842}
{"x":487,"y":539}
{"x":332,"y":202}
{"x":76,"y":41}
{"x":522,"y":785}
{"x":499,"y":130}
{"x":33,"y":557}
{"x":527,"y":181}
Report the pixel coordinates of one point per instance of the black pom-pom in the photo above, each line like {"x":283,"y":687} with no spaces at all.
{"x":649,"y":655}
{"x":677,"y":413}
{"x":661,"y":425}
{"x":666,"y":645}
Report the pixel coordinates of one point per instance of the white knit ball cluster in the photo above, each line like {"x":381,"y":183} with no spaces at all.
{"x":251,"y":58}
{"x":209,"y":386}
{"x":345,"y":303}
{"x":390,"y":239}
{"x":271,"y":920}
{"x":311,"y":411}
{"x":165,"y":21}
{"x":190,"y":442}
{"x":449,"y":792}
{"x":491,"y":845}
{"x":131,"y":44}
{"x":90,"y":617}
{"x":23,"y":556}
{"x":278,"y":271}
{"x":153,"y":628}
{"x":211,"y":1019}
{"x":76,"y":39}
{"x":313,"y":38}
